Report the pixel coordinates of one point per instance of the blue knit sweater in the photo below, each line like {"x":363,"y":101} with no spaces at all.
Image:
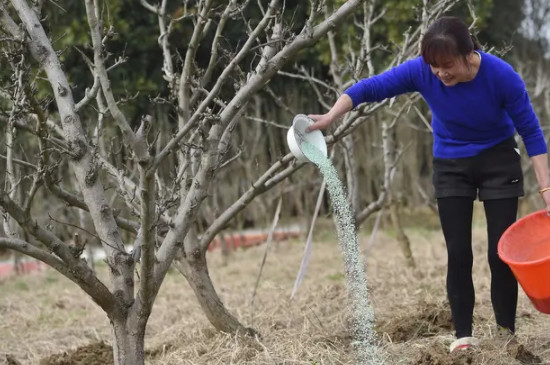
{"x":468,"y":117}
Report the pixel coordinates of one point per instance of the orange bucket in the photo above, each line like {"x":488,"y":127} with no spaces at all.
{"x":525,"y":247}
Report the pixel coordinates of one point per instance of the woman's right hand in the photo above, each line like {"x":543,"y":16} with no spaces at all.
{"x":322,"y":121}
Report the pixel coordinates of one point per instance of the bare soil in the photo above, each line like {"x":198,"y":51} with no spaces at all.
{"x":95,"y":353}
{"x":46,"y":320}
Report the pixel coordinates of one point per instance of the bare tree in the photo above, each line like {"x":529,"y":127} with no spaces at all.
{"x":166,"y":207}
{"x":151,"y":198}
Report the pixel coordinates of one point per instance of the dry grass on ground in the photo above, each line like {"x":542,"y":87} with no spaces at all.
{"x":45,"y":318}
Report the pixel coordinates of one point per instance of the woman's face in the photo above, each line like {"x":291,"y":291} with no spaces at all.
{"x":453,"y":70}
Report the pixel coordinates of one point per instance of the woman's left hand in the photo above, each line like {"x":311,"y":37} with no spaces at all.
{"x":546,"y":197}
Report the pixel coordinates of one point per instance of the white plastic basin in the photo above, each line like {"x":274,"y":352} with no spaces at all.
{"x":297,"y":134}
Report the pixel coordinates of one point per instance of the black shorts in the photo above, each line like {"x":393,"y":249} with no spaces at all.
{"x":493,"y":174}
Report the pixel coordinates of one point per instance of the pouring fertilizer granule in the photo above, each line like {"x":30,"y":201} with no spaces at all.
{"x":311,"y":147}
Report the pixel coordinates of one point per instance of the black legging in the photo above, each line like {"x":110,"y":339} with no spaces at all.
{"x":455,"y":214}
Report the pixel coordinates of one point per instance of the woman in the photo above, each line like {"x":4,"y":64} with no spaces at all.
{"x":477,"y":102}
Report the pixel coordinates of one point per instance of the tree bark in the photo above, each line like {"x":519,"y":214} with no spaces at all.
{"x":129,"y":345}
{"x":401,"y":236}
{"x":195,"y":270}
{"x":352,"y":177}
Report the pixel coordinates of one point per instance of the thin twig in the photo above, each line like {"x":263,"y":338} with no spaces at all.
{"x":309,"y":242}
{"x":21,"y":162}
{"x":267,"y":247}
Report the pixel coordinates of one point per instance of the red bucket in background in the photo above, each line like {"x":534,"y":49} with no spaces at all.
{"x":525,"y":247}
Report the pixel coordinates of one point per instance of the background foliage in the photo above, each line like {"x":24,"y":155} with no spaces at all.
{"x":139,"y":82}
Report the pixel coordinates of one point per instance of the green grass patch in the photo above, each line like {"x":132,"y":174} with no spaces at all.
{"x":20,"y":285}
{"x":336,"y":277}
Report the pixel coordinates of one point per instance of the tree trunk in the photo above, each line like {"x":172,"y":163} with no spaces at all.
{"x":19,"y":270}
{"x":195,"y":271}
{"x":91,"y":258}
{"x":352,"y":179}
{"x":401,"y":236}
{"x":128,"y":348}
{"x":226,"y":251}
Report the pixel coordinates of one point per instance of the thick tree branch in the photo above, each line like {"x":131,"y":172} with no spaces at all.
{"x":165,"y":31}
{"x":138,"y":145}
{"x":268,"y":179}
{"x":79,"y":270}
{"x":184,"y":91}
{"x":37,"y":253}
{"x":147,"y":220}
{"x":82,"y":161}
{"x":76,"y":201}
{"x":163,"y":39}
{"x":187,"y":211}
{"x":28,"y":249}
{"x":9,"y":25}
{"x":44,"y":236}
{"x":128,"y":189}
{"x":12,"y":183}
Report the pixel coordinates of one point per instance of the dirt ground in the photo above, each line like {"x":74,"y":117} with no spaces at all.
{"x":46,"y":320}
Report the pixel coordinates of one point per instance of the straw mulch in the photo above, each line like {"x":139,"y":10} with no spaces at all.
{"x":46,"y":320}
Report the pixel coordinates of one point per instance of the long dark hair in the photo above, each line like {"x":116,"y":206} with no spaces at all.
{"x":447,"y":37}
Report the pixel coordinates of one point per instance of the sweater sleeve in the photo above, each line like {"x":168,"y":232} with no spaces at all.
{"x":398,"y":80}
{"x":519,"y":108}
